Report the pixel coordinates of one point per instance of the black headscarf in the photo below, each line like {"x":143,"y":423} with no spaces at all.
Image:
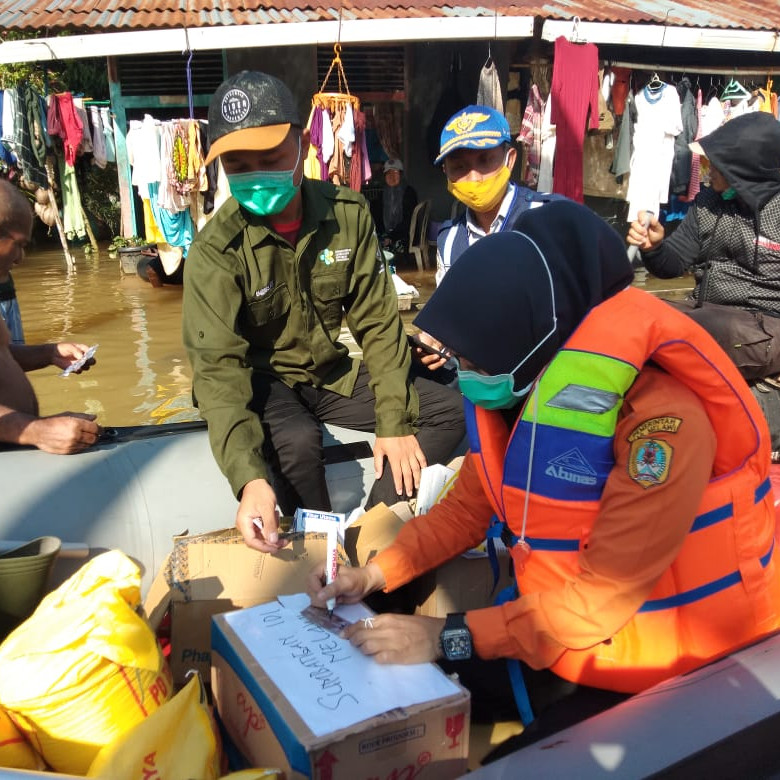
{"x":509,"y":290}
{"x":746,"y":150}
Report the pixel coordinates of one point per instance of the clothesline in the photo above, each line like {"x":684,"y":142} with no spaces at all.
{"x":714,"y":71}
{"x":700,"y":69}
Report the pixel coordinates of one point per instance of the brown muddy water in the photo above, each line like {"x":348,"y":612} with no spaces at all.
{"x":142,"y":373}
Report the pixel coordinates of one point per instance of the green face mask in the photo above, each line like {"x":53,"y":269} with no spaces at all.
{"x":729,"y":194}
{"x":265,"y":192}
{"x":491,"y":392}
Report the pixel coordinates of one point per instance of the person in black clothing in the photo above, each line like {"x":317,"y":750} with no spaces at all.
{"x":730,"y":240}
{"x":393,"y":211}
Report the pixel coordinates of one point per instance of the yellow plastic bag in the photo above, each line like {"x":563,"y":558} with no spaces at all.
{"x":15,"y":751}
{"x":85,"y":666}
{"x":176,"y":742}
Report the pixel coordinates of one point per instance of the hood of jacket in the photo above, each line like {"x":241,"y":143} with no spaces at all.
{"x":515,"y":297}
{"x":746,"y":150}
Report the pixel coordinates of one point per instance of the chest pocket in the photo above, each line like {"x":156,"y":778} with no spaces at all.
{"x":329,"y":291}
{"x":268,"y":316}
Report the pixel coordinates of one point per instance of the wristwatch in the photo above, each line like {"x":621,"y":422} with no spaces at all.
{"x":455,"y":638}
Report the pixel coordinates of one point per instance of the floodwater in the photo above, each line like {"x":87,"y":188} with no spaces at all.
{"x":142,"y":374}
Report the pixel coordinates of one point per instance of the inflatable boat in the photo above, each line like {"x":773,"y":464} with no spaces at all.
{"x":140,"y":487}
{"x":143,"y":485}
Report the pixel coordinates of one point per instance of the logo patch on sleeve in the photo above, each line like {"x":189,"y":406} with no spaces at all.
{"x":649,"y":461}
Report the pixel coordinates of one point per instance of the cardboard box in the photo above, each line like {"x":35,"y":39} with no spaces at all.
{"x":421,"y":741}
{"x":215,"y":572}
{"x":462,"y":584}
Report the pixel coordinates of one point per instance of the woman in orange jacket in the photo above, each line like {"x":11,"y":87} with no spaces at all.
{"x":626,"y":459}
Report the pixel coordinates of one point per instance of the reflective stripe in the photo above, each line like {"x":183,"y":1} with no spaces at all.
{"x":702,"y":521}
{"x":703,"y":591}
{"x":727,"y":510}
{"x":578,"y":398}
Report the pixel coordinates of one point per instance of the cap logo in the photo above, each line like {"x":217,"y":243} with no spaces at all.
{"x":235,"y":105}
{"x":465,"y":123}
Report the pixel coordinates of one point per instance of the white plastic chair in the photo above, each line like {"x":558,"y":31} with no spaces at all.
{"x":418,"y":234}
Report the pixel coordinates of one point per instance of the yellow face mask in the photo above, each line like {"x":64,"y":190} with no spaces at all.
{"x":482,"y":195}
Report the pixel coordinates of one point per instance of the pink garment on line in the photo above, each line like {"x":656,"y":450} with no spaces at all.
{"x":574,"y":91}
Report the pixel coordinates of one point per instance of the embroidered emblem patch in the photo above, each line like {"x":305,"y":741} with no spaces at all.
{"x":235,"y":105}
{"x":465,"y":123}
{"x":655,"y":425}
{"x":327,"y":257}
{"x":649,"y":461}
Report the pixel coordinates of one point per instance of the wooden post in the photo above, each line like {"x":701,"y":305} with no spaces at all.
{"x":92,"y":240}
{"x":53,"y":201}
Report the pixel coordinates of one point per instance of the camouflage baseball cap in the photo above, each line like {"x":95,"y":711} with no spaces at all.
{"x":251,"y":110}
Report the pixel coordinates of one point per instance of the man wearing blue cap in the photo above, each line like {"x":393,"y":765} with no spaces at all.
{"x":477,"y":158}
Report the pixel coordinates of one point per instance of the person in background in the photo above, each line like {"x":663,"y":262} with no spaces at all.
{"x":16,"y":221}
{"x":477,"y":158}
{"x":393,"y":213}
{"x":611,"y":455}
{"x":153,"y":264}
{"x":20,"y":421}
{"x":730,"y":240}
{"x":267,"y":283}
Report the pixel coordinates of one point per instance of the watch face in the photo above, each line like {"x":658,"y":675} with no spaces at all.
{"x":456,"y":644}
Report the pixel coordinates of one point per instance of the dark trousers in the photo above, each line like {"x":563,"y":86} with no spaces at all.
{"x":750,"y":338}
{"x":556,"y":703}
{"x":292,"y":420}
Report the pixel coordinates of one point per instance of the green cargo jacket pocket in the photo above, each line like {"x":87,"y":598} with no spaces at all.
{"x":268,"y":316}
{"x":329,"y":291}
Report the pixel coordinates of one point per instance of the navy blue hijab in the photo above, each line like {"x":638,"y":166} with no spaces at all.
{"x":505,"y":294}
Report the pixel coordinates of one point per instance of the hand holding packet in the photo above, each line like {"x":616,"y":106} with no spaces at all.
{"x":76,"y":365}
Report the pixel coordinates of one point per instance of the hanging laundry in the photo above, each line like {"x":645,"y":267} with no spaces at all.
{"x":108,"y":134}
{"x":313,"y":164}
{"x":531,"y":137}
{"x":63,"y":121}
{"x":694,"y":185}
{"x":72,"y":212}
{"x":85,"y":147}
{"x":574,"y":93}
{"x":549,"y":143}
{"x":360,"y":167}
{"x":176,"y":226}
{"x":23,"y":132}
{"x":621,"y":79}
{"x":143,"y":153}
{"x":7,"y":157}
{"x":98,"y":137}
{"x":196,"y":170}
{"x":337,"y":167}
{"x":346,"y":132}
{"x":489,"y":89}
{"x":621,"y":161}
{"x":328,"y":140}
{"x":681,"y":165}
{"x":659,"y":121}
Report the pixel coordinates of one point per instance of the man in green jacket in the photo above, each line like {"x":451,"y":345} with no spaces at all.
{"x":266,"y":284}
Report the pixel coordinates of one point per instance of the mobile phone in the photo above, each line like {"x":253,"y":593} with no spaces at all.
{"x":416,"y":341}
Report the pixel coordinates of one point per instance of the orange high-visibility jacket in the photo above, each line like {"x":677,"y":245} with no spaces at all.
{"x":723,"y":589}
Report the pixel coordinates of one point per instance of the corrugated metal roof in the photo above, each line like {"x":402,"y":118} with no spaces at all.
{"x":125,"y":15}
